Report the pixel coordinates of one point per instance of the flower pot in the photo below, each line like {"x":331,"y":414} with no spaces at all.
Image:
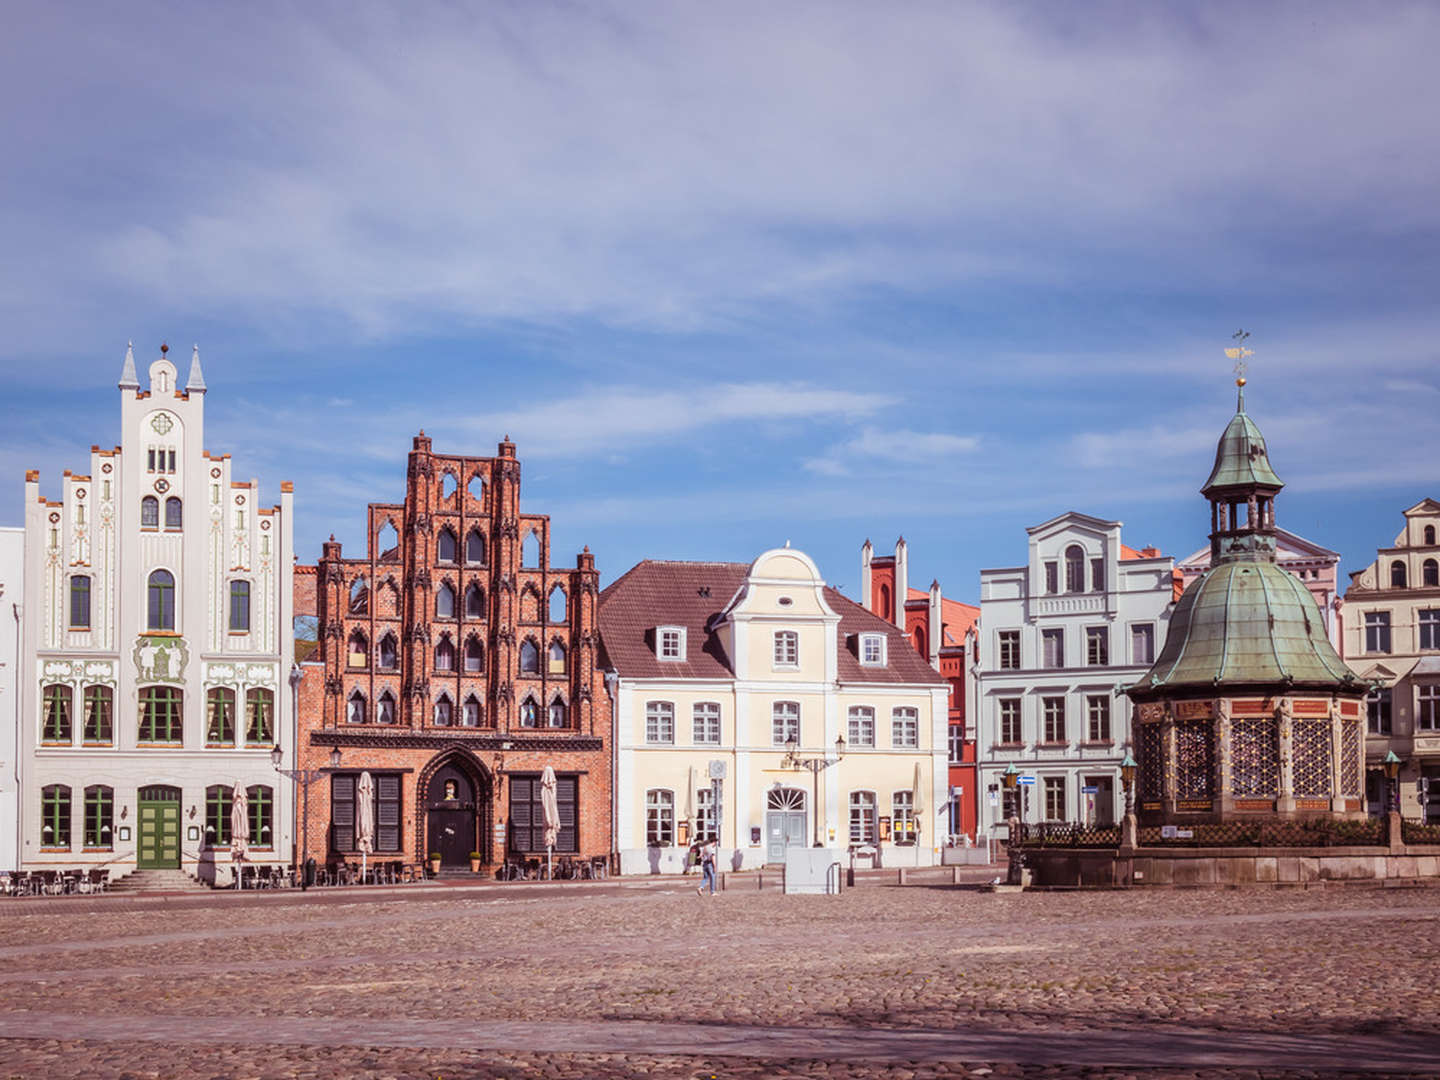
{"x":435,"y":866}
{"x":474,"y":866}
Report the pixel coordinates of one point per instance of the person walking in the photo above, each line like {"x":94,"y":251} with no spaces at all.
{"x":708,"y":854}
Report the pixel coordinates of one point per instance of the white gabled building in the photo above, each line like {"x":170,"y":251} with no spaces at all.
{"x":1059,"y":636}
{"x":157,"y":641}
{"x":12,"y":594}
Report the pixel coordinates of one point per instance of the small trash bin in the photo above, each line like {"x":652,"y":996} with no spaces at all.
{"x":310,"y":871}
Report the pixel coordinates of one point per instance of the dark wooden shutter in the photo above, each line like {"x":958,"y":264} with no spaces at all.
{"x":387,"y":813}
{"x":342,"y":812}
{"x":521,"y":813}
{"x":567,"y":795}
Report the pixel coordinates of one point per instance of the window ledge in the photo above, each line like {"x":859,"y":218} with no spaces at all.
{"x":219,"y":746}
{"x":98,"y":745}
{"x":1007,"y":745}
{"x":95,"y":850}
{"x":155,"y":743}
{"x":54,"y":850}
{"x":1097,"y":744}
{"x":1060,"y":745}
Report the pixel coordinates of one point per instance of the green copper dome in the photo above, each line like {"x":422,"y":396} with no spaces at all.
{"x":1240,"y":459}
{"x":1245,"y":625}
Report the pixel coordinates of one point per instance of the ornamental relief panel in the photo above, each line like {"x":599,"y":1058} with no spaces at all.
{"x":160,"y":659}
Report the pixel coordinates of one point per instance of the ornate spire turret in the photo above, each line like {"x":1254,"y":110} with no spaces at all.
{"x":195,"y":384}
{"x":128,"y":378}
{"x":1242,"y":486}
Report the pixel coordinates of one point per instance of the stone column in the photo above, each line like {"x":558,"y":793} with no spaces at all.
{"x":1168,"y":794}
{"x":1337,"y":759}
{"x":1224,"y":781}
{"x":1285,"y":803}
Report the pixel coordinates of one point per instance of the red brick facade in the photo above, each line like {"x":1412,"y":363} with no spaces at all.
{"x":454,"y":671}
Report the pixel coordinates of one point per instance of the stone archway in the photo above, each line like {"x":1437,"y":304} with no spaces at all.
{"x":455,"y":808}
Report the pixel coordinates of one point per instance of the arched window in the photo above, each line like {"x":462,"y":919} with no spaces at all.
{"x":475,"y":548}
{"x":1430,"y":573}
{"x":557,"y":605}
{"x":387,"y":599}
{"x":476,"y":488}
{"x":218,"y":801}
{"x":529,"y":658}
{"x":219,"y":716}
{"x":359,"y":597}
{"x":474,"y":654}
{"x":557,"y":658}
{"x":445,"y":546}
{"x":445,"y":601}
{"x":471,"y":715}
{"x":262,"y":804}
{"x":445,"y":655}
{"x":1429,"y":535}
{"x":357,"y":652}
{"x":529,"y":713}
{"x":443,"y":711}
{"x":530,"y":604}
{"x":389,"y":656}
{"x":385,"y":708}
{"x":240,"y":606}
{"x":1074,"y":569}
{"x":160,"y":596}
{"x":55,"y":817}
{"x":162,"y":712}
{"x":150,"y":512}
{"x":79,"y":602}
{"x":920,"y":641}
{"x":174,"y":516}
{"x":387,"y":542}
{"x":56,"y":723}
{"x":559,"y":714}
{"x":448,"y":486}
{"x":474,"y":601}
{"x":259,"y":714}
{"x":886,"y":612}
{"x":530,"y":550}
{"x":659,"y":817}
{"x":355,"y":711}
{"x":1397,"y":574}
{"x":99,"y":716}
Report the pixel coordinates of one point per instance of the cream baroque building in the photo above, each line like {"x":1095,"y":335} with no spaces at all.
{"x":718,"y":669}
{"x":156,"y":646}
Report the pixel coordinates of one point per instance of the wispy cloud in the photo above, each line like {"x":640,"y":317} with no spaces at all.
{"x":880,"y":449}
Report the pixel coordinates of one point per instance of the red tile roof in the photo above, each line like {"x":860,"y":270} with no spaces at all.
{"x":692,"y":594}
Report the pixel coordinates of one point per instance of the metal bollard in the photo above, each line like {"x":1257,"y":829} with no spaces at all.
{"x":954,"y":875}
{"x":900,"y":875}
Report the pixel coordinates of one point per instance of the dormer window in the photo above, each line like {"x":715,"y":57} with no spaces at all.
{"x":872,"y":650}
{"x":670,"y":642}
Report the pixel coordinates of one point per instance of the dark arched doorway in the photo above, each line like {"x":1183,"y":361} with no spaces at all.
{"x":452,"y":815}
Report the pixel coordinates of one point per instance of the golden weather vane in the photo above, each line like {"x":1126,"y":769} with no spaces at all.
{"x":1240,"y":354}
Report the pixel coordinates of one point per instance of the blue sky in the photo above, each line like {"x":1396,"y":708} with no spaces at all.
{"x":737,"y":274}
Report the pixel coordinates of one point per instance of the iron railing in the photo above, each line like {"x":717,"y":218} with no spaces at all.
{"x":1300,"y":833}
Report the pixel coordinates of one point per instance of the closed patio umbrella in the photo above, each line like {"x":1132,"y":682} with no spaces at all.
{"x":365,"y":825}
{"x":917,"y":800}
{"x":239,"y":828}
{"x":551,"y":807}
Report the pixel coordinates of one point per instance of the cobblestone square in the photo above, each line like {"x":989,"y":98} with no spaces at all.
{"x":647,"y":978}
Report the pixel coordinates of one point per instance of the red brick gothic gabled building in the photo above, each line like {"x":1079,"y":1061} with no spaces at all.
{"x":457,"y":663}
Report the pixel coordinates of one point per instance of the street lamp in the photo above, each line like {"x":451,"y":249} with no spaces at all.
{"x":816,"y":765}
{"x":1392,"y":774}
{"x":1127,"y":781}
{"x":303,"y":779}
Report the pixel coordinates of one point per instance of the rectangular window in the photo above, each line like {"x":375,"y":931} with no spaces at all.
{"x":218,"y":800}
{"x":902,"y":817}
{"x":872,"y":649}
{"x":1053,"y":648}
{"x":1427,"y":711}
{"x":1377,"y":631}
{"x":1055,"y":798}
{"x":905,"y":726}
{"x":172,"y":462}
{"x":80,"y":602}
{"x":659,"y":722}
{"x":1097,"y":575}
{"x":239,"y":606}
{"x":56,"y":726}
{"x":706,"y":826}
{"x":387,"y":811}
{"x":861,"y":726}
{"x":99,"y":717}
{"x":862,"y":817}
{"x":1097,"y":646}
{"x":262,"y":807}
{"x":787,"y":648}
{"x":1142,"y":643}
{"x":342,"y":811}
{"x":99,"y":818}
{"x":161,"y":715}
{"x":259,"y":711}
{"x":1052,"y":577}
{"x":1377,"y":710}
{"x":150,"y":460}
{"x":1430,"y":628}
{"x":706,"y":720}
{"x":1010,"y":721}
{"x":956,"y":742}
{"x":1097,"y":711}
{"x":1053,"y":709}
{"x":659,"y":818}
{"x":1009,"y":650}
{"x":55,"y":817}
{"x":220,"y":717}
{"x":672,"y":643}
{"x":785,"y":722}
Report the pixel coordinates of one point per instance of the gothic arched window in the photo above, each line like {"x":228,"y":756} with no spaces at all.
{"x":445,"y":546}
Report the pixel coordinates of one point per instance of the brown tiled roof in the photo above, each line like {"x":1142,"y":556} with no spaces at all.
{"x":690,"y":594}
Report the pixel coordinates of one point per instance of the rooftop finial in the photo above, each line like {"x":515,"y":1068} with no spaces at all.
{"x":1240,"y":355}
{"x":196,"y":382}
{"x":128,"y":379}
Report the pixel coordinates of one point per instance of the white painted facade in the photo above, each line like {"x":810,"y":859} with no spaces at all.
{"x":12,"y":595}
{"x":156,"y":505}
{"x":1021,"y":683}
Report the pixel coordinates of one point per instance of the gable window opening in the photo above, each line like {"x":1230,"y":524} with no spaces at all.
{"x":445,"y":654}
{"x":389,"y":653}
{"x":445,"y":601}
{"x":556,"y":655}
{"x":1074,"y":569}
{"x":787,"y":649}
{"x":474,"y":654}
{"x":529,"y":658}
{"x":150,"y":512}
{"x":358,"y":650}
{"x":475,"y":548}
{"x":474,"y":602}
{"x":785,"y":722}
{"x":872,"y":650}
{"x":445,"y":546}
{"x":672,"y":643}
{"x":160,"y":597}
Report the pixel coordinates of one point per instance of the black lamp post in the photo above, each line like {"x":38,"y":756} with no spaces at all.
{"x":303,"y":779}
{"x":1392,"y":776}
{"x":816,"y":765}
{"x":1127,"y":781}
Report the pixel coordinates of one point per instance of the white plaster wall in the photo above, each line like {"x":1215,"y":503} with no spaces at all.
{"x":12,"y":596}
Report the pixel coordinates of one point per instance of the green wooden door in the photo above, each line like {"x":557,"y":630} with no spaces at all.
{"x":159,"y":829}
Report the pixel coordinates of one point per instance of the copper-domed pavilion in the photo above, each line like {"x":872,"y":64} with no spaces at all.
{"x":1249,"y":711}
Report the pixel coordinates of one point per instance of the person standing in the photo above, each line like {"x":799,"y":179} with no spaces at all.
{"x":708,"y":854}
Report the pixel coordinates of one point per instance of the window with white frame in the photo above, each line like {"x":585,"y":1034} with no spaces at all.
{"x":1009,"y":649}
{"x":1009,"y":721}
{"x":787,"y":649}
{"x":707,"y":827}
{"x":902,"y":817}
{"x":659,"y":817}
{"x":1097,"y":646}
{"x":1097,"y":712}
{"x":905,"y":726}
{"x":1427,"y":708}
{"x":1054,"y":798}
{"x":1430,"y":628}
{"x":1052,"y":577}
{"x":862,"y":817}
{"x":706,"y":720}
{"x":1053,"y":710}
{"x":861,"y":726}
{"x":659,"y":722}
{"x":785,"y":722}
{"x":1377,"y":631}
{"x":957,"y":743}
{"x":1142,"y":643}
{"x":1052,"y":647}
{"x":1377,"y":710}
{"x":670,"y":642}
{"x":872,"y":650}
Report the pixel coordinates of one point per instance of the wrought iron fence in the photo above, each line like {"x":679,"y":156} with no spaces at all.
{"x":1069,"y":834}
{"x":1301,"y":833}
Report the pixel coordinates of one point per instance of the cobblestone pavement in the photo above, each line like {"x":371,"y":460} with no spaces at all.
{"x":608,"y":981}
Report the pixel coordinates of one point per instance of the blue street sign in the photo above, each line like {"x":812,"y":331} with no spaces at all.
{"x":1089,"y":789}
{"x":1025,"y":780}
